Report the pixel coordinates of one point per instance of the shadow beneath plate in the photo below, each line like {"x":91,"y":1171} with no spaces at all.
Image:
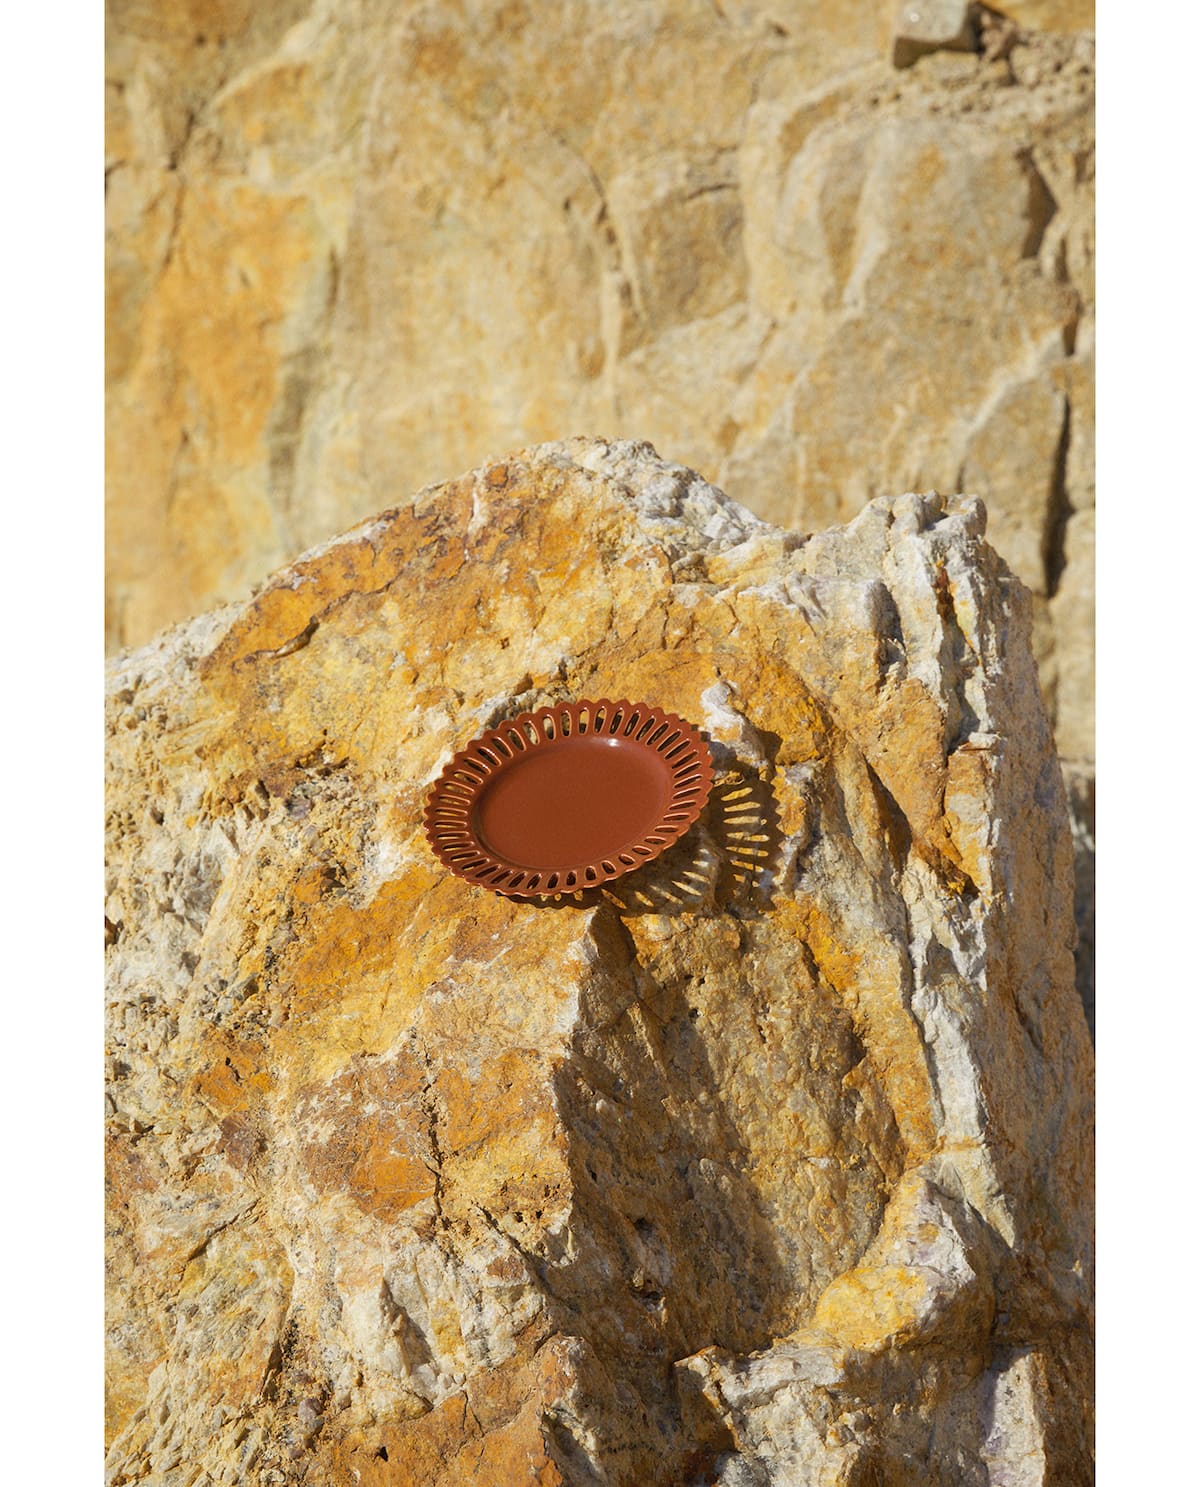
{"x":726,"y":861}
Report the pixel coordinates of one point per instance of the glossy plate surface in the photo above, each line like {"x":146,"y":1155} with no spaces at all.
{"x":568,"y":797}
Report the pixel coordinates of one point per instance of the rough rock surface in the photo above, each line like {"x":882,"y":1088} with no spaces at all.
{"x":770,"y":1166}
{"x":354,"y":245}
{"x":357,"y":245}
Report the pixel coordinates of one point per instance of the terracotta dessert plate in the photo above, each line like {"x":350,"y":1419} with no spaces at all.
{"x":568,"y":797}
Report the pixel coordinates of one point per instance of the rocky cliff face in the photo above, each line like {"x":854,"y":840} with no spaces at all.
{"x":769,"y":1165}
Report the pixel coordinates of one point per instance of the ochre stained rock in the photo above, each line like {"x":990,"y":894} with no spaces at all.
{"x":769,"y":1164}
{"x":354,"y":246}
{"x":1050,"y":15}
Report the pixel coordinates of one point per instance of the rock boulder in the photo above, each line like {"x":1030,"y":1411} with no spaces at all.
{"x":769,"y":1165}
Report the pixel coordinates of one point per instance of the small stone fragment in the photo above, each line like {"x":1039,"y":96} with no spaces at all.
{"x":924,"y":26}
